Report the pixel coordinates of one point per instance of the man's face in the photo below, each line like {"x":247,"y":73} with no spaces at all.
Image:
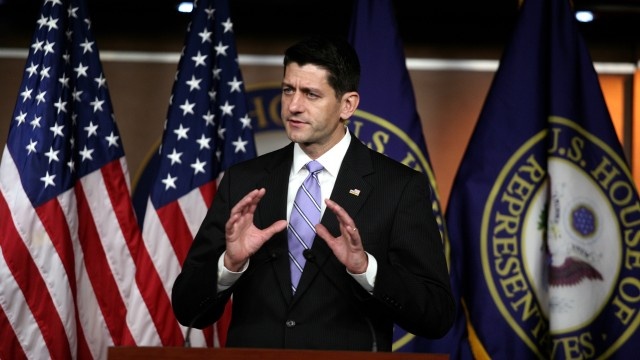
{"x":310,"y":111}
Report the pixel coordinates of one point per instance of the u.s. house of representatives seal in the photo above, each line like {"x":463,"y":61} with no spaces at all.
{"x":561,"y":244}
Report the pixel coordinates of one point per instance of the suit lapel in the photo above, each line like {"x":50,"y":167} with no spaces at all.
{"x":273,"y":207}
{"x":351,"y":189}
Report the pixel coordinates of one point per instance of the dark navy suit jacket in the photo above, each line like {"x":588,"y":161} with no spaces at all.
{"x":330,"y":310}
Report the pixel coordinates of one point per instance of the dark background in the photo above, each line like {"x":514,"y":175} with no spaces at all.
{"x":456,"y":28}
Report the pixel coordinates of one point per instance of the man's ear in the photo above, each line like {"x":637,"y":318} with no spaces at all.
{"x":349,"y":104}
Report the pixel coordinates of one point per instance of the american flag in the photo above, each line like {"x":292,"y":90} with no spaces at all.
{"x":67,"y":226}
{"x":208,"y":129}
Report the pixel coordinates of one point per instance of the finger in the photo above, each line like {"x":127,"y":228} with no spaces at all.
{"x":255,"y":199}
{"x":237,"y":224}
{"x":239,"y":207}
{"x":341,"y":214}
{"x":274,"y":228}
{"x":324,"y":233}
{"x":231,"y":222}
{"x":354,"y":237}
{"x":249,"y":202}
{"x":352,"y":230}
{"x":257,"y":195}
{"x":331,"y":241}
{"x":351,"y":236}
{"x":347,"y":225}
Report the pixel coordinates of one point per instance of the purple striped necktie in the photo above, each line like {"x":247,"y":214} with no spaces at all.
{"x":305,"y":214}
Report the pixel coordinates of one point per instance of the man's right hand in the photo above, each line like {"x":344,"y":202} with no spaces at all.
{"x":242,"y":236}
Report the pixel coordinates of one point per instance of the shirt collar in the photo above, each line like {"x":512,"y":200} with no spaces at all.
{"x":331,"y":160}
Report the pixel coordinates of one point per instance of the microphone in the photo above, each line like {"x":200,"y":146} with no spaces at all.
{"x":311,"y":257}
{"x":187,"y":336}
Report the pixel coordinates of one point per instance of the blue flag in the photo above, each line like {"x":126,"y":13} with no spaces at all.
{"x":387,"y":118}
{"x":544,"y":215}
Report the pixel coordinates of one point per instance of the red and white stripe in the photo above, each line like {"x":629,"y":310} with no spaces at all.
{"x":67,"y":273}
{"x":168,"y":233}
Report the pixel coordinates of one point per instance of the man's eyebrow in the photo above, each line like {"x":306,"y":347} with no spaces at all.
{"x":305,"y":89}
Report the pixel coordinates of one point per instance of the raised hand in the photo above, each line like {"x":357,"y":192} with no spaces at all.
{"x":348,"y":246}
{"x":242,"y":236}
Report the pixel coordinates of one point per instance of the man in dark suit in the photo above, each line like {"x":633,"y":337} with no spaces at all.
{"x":377,"y":258}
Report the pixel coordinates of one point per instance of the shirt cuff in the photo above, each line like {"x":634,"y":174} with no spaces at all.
{"x":226,"y":277}
{"x":367,"y":279}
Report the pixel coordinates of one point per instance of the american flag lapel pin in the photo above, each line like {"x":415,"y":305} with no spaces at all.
{"x":355,"y":192}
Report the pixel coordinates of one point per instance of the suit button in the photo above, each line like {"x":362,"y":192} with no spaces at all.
{"x":290,"y":323}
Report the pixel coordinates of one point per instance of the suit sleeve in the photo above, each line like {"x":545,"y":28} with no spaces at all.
{"x":413,"y":280}
{"x":194,"y":297}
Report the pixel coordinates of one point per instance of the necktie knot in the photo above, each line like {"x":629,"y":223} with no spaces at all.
{"x":314,"y":167}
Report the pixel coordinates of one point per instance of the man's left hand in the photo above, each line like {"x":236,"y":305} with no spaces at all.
{"x":348,"y":246}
